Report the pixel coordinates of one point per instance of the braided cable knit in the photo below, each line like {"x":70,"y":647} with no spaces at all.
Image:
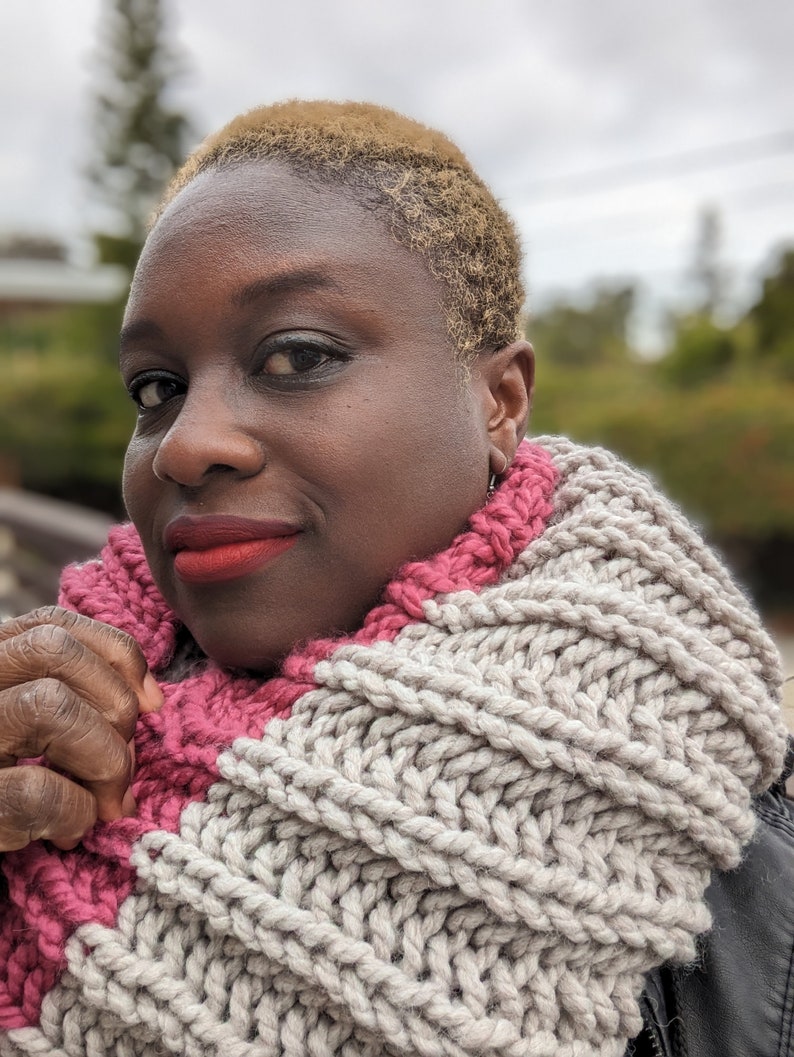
{"x":51,"y":893}
{"x":468,"y":829}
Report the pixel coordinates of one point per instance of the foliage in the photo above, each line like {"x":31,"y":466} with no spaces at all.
{"x":140,"y":137}
{"x":712,"y":420}
{"x":759,"y":345}
{"x":578,"y":335}
{"x":773,"y":318}
{"x":702,"y":352}
{"x":64,"y":416}
{"x":725,"y":452}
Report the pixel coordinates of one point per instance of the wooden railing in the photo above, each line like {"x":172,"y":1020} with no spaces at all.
{"x":38,"y":536}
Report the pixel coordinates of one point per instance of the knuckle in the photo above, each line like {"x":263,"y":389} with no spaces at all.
{"x":30,"y":654}
{"x":52,"y":614}
{"x":44,"y":615}
{"x":24,"y":799}
{"x":122,"y":651}
{"x":123,"y":642}
{"x":33,"y":713}
{"x":53,"y":651}
{"x":22,"y":788}
{"x":40,"y":698}
{"x":55,"y":703}
{"x":35,"y":802}
{"x":48,"y":639}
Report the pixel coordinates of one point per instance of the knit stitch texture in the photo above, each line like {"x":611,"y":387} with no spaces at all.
{"x":468,"y":829}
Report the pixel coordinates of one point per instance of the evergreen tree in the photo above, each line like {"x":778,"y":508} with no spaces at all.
{"x":707,"y":274}
{"x":140,"y":138}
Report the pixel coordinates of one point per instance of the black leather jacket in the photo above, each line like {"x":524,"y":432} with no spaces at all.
{"x":738,"y":999}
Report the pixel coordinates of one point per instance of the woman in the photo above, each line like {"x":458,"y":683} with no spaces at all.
{"x":413,"y":737}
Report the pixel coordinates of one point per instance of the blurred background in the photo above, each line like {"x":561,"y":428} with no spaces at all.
{"x":645,"y":151}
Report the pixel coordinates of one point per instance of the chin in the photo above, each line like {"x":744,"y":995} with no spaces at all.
{"x":234,"y":652}
{"x":232,"y":637}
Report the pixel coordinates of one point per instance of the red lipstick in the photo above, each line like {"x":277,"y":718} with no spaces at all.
{"x":214,"y":548}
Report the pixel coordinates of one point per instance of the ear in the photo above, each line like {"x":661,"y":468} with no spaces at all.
{"x":506,"y":382}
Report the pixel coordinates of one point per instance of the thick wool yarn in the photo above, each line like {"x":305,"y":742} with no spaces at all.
{"x":470,"y":828}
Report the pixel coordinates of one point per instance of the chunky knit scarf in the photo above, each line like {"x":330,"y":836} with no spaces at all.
{"x":470,"y":828}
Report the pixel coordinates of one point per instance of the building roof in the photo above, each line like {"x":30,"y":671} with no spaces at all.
{"x":58,"y":282}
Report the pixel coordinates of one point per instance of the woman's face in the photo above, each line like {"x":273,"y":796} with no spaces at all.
{"x":303,"y":428}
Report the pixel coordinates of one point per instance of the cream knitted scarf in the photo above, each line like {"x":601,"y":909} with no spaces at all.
{"x":481,"y":822}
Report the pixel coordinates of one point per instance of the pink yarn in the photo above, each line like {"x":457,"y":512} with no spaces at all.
{"x":51,"y":893}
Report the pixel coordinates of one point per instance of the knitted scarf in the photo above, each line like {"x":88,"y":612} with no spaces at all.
{"x":468,"y":829}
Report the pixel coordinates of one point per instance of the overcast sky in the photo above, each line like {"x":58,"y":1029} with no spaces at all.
{"x":542,"y":96}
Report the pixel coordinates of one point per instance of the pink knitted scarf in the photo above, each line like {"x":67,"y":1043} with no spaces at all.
{"x":51,"y":893}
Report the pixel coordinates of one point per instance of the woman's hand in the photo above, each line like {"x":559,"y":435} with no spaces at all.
{"x":71,"y":689}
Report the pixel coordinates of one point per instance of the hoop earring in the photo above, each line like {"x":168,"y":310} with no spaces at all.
{"x":494,"y":475}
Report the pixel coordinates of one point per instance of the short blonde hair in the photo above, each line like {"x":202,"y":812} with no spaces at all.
{"x":433,"y":201}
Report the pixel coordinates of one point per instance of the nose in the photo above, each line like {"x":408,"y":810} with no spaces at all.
{"x":209,"y":435}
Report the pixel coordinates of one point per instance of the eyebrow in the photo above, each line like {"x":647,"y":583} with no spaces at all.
{"x":285,"y":282}
{"x":139,"y":330}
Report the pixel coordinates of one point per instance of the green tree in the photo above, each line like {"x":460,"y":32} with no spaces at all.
{"x":773,"y":318}
{"x":64,"y":416}
{"x":140,"y":137}
{"x":701,"y":352}
{"x":568,"y":335}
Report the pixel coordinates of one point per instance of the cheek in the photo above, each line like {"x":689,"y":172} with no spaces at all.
{"x":410,"y":485}
{"x":432,"y":442}
{"x":137,"y":480}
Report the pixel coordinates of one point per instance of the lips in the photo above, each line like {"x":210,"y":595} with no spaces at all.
{"x":211,"y":549}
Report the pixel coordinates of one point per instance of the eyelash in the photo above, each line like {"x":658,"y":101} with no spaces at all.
{"x":283,"y":345}
{"x":141,"y":381}
{"x":289,"y":345}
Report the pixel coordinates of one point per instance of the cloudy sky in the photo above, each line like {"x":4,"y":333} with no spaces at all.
{"x":603,"y":125}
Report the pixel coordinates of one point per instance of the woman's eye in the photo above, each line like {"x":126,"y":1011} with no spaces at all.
{"x":295,"y":360}
{"x":151,"y":393}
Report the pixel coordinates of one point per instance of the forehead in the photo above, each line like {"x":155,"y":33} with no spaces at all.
{"x":260,"y":226}
{"x":256,"y":211}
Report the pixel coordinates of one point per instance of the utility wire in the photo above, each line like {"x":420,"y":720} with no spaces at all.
{"x":730,"y":203}
{"x":718,"y":155}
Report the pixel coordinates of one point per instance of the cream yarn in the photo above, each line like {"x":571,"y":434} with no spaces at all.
{"x":473,"y":840}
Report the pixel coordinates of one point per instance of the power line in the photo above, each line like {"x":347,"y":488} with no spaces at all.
{"x":718,"y":155}
{"x":730,"y":203}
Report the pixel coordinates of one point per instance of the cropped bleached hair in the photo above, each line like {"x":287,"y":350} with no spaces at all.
{"x":415,"y":178}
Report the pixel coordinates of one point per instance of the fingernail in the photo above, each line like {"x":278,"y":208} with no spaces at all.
{"x":152,"y":693}
{"x":128,"y":805}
